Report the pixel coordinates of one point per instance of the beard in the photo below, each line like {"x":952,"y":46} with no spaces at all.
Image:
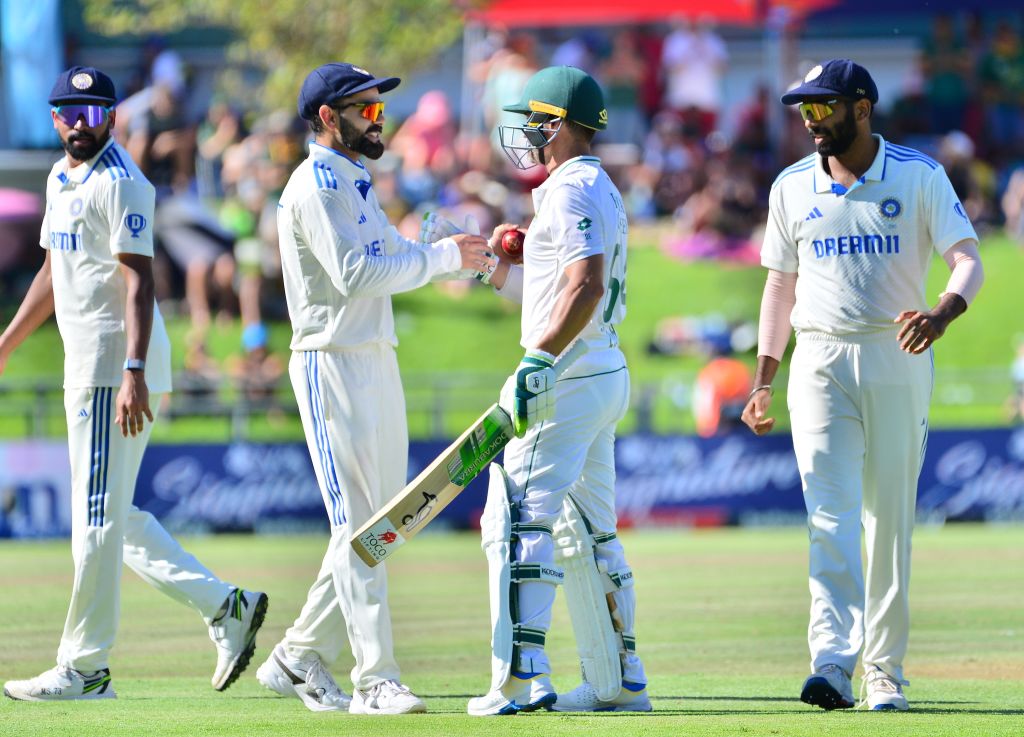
{"x":82,"y":146}
{"x":353,"y":140}
{"x":841,"y":137}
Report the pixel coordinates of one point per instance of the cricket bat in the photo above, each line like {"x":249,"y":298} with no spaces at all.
{"x":425,"y":496}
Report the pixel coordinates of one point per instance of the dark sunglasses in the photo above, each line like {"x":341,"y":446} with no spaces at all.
{"x":369,"y":110}
{"x":93,"y":114}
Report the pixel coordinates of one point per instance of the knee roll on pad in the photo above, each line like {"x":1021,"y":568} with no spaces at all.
{"x":500,"y":529}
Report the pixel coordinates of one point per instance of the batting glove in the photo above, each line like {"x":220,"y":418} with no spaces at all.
{"x":435,"y":226}
{"x":529,"y":395}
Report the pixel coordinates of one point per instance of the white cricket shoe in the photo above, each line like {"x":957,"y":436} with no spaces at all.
{"x":518,"y":694}
{"x":62,"y":684}
{"x":885,"y":693}
{"x":386,"y":697}
{"x":305,"y":680}
{"x":829,"y":688}
{"x":234,"y":634}
{"x":632,"y":697}
{"x":542,"y":694}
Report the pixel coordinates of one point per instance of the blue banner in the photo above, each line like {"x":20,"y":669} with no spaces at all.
{"x":735,"y":479}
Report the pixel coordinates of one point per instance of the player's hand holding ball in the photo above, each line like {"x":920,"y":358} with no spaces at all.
{"x":528,"y":394}
{"x":512,"y":245}
{"x":507,"y":243}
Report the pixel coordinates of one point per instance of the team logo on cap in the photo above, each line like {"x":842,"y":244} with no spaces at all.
{"x":814,"y":73}
{"x":82,"y":81}
{"x":890,"y":207}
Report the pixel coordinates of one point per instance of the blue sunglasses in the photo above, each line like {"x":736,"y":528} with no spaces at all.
{"x":93,"y":114}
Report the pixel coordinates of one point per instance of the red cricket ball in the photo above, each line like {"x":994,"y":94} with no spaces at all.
{"x":512,"y":245}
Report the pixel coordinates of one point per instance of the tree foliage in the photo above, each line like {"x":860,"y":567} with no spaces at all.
{"x":288,"y":38}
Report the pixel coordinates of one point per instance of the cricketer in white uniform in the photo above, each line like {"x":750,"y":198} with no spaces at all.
{"x":341,"y":262}
{"x":550,"y":513}
{"x":97,"y":277}
{"x":851,"y":232}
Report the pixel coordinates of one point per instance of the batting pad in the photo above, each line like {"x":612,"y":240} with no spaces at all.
{"x":495,"y":539}
{"x":499,"y":532}
{"x":586,"y":594}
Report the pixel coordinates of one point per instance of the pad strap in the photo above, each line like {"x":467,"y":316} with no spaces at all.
{"x":539,"y":572}
{"x":518,"y":528}
{"x":621,"y":578}
{"x":528,"y":636}
{"x":628,"y":643}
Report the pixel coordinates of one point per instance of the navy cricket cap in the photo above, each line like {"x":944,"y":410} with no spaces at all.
{"x":327,"y":83}
{"x":83,"y":84}
{"x":835,"y":77}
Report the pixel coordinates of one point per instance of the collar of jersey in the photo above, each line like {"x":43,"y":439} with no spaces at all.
{"x":330,"y":156}
{"x":876,"y":172}
{"x":565,"y":165}
{"x":83,"y":170}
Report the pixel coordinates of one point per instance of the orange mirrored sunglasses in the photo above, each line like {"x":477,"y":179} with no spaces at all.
{"x":369,"y":110}
{"x":817,"y":110}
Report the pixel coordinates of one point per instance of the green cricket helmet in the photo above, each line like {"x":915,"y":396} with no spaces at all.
{"x":554,"y":93}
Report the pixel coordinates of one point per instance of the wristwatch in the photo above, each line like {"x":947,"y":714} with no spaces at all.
{"x":134,"y":364}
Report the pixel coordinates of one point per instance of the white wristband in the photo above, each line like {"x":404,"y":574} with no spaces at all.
{"x":134,"y":364}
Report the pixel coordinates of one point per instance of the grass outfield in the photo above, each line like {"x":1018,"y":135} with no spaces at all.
{"x":722,"y":617}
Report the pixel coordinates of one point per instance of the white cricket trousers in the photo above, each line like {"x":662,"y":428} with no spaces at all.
{"x":107,"y":528}
{"x":859,"y":410}
{"x":353,"y":414}
{"x":573,"y":453}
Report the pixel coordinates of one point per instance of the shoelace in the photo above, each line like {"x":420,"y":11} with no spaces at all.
{"x":880,"y":681}
{"x":319,"y":679}
{"x":388,"y":689}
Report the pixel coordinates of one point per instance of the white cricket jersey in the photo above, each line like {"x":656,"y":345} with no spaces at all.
{"x":95,"y":211}
{"x":862,"y":254}
{"x":342,"y":260}
{"x":579,"y":214}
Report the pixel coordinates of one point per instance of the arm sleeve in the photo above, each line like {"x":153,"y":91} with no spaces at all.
{"x":512,"y":289}
{"x":575,"y":224}
{"x":777,"y":303}
{"x":948,"y":223}
{"x":778,"y":251}
{"x":333,"y":237}
{"x":967,"y":273}
{"x":130,"y":203}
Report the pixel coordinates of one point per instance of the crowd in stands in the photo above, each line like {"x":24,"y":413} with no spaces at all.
{"x":219,"y":168}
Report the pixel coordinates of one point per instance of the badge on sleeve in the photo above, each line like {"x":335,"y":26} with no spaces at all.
{"x":135,"y":223}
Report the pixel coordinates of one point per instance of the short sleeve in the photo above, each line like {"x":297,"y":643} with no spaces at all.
{"x":44,"y":229}
{"x":575,"y":224}
{"x":778,"y":251}
{"x":130,"y":204}
{"x":947,"y":220}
